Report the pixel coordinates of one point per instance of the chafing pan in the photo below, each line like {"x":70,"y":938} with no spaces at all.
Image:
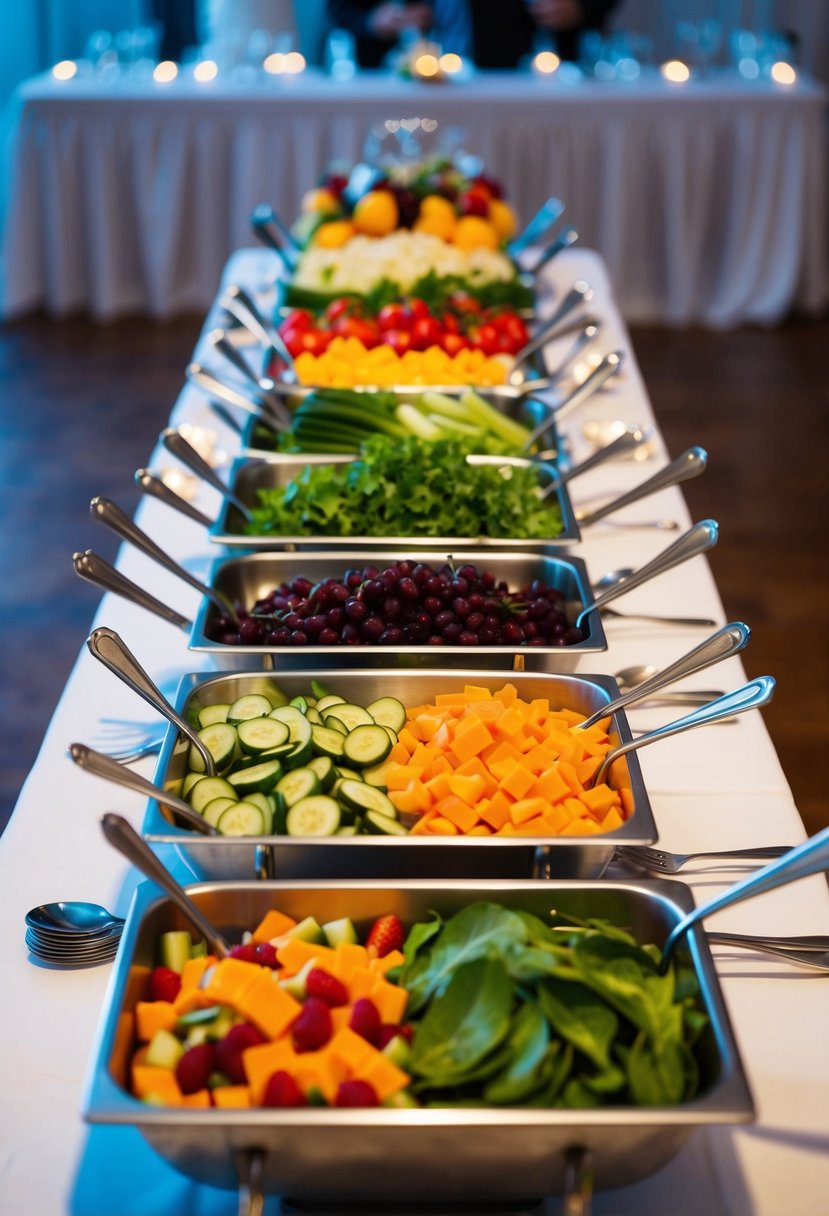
{"x":474,"y":1157}
{"x":248,"y":477}
{"x":406,"y":856}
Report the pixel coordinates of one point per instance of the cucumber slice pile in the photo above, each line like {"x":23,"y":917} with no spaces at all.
{"x":313,"y":767}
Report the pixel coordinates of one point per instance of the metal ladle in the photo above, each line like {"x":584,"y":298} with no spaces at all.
{"x":126,"y":840}
{"x":109,"y":648}
{"x":102,"y":766}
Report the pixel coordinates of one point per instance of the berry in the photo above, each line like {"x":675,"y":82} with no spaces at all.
{"x":356,"y":1093}
{"x":282,"y":1090}
{"x":165,"y":984}
{"x":326,"y":987}
{"x":365,"y":1020}
{"x":386,"y":934}
{"x":195,"y":1066}
{"x":247,"y":952}
{"x":313,"y":1028}
{"x":229,"y":1050}
{"x":266,"y":955}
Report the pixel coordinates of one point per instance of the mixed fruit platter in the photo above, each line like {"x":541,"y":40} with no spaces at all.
{"x":474,"y":762}
{"x":491,"y":1007}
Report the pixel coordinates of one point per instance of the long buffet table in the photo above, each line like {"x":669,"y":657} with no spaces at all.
{"x":720,"y":787}
{"x":707,"y":200}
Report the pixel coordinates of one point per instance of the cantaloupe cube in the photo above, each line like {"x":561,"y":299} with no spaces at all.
{"x":508,"y":694}
{"x":421,"y":826}
{"x":439,"y":826}
{"x":586,"y":769}
{"x":351,"y":1049}
{"x":391,"y":1001}
{"x":399,"y":776}
{"x":262,"y":1061}
{"x":518,"y":782}
{"x":476,"y":768}
{"x":580,"y":827}
{"x":193,"y":970}
{"x":469,"y":788}
{"x":626,"y":796}
{"x":551,"y":786}
{"x":458,"y":812}
{"x":495,"y":812}
{"x":295,"y":953}
{"x":384,"y":1077}
{"x":556,"y":817}
{"x":229,"y":980}
{"x":268,"y":1005}
{"x":510,"y":725}
{"x":415,"y":799}
{"x":158,"y":1083}
{"x":231,"y":1097}
{"x":394,"y":958}
{"x":151,"y":1016}
{"x":438,"y":786}
{"x":471,"y":742}
{"x":319,"y":1070}
{"x":599,"y":800}
{"x":480,"y":829}
{"x":273,"y":924}
{"x":612,"y":820}
{"x":200,"y":1099}
{"x":537,"y":826}
{"x":347,"y":957}
{"x":526,"y":808}
{"x":361,"y":983}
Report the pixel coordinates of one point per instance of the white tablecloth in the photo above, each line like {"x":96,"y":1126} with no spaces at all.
{"x":720,"y":787}
{"x":707,"y":201}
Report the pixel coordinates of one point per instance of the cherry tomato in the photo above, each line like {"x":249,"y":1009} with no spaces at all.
{"x":511,"y":325}
{"x":419,"y":308}
{"x":313,"y":341}
{"x":452,"y":343}
{"x":473,"y":202}
{"x":485,"y":337}
{"x":463,"y":303}
{"x":400,"y":340}
{"x":342,"y":306}
{"x":394,"y":316}
{"x":362,"y":328}
{"x":298,"y":319}
{"x":426,"y":332}
{"x":450,"y":323}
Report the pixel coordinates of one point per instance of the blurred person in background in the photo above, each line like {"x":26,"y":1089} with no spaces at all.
{"x":493,"y":33}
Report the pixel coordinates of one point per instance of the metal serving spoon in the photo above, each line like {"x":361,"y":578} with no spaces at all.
{"x":110,"y":514}
{"x":543,"y":219}
{"x":73,"y":918}
{"x":239,"y":304}
{"x":690,"y":464}
{"x":211,"y":382}
{"x":110,"y":649}
{"x":811,"y":857}
{"x":640,"y":673}
{"x":270,"y":392}
{"x":272,"y":231}
{"x":122,"y":836}
{"x":567,"y":237}
{"x":101,"y":766}
{"x":629,"y":439}
{"x":184,"y":451}
{"x":148,"y":483}
{"x":580,"y":293}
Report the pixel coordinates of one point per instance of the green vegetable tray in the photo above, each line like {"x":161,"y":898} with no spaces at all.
{"x":465,"y":1157}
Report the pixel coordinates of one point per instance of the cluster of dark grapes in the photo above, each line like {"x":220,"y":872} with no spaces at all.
{"x":406,"y":604}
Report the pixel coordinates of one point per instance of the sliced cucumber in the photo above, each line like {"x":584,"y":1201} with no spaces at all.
{"x":347,"y":829}
{"x":375,"y":774}
{"x":164,"y":1050}
{"x":331,"y":698}
{"x":300,"y":783}
{"x":299,"y":755}
{"x":208,"y":788}
{"x":266,"y":805}
{"x":342,"y":930}
{"x":388,"y":711}
{"x":334,"y":723}
{"x":299,"y":703}
{"x":314,"y":716}
{"x":381,"y":825}
{"x":252,"y":705}
{"x":261,"y":777}
{"x":319,"y":690}
{"x":316,"y":816}
{"x":308,"y":930}
{"x":297,"y":985}
{"x":392,"y":734}
{"x":350,"y":715}
{"x":214,"y":810}
{"x":366,"y":745}
{"x":364,"y":798}
{"x":327,"y":742}
{"x":323,"y":766}
{"x":220,"y":740}
{"x":189,"y":781}
{"x":211,"y":714}
{"x":243,"y":819}
{"x":174,"y":949}
{"x":350,"y":773}
{"x":257,"y":735}
{"x":280,"y":814}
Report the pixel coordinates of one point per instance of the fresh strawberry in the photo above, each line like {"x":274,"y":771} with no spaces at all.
{"x":326,"y":987}
{"x":165,"y":984}
{"x":247,"y":952}
{"x":195,"y":1066}
{"x":266,"y":955}
{"x":229,"y":1050}
{"x":282,"y":1090}
{"x":365,"y":1020}
{"x":356,"y":1093}
{"x":386,"y":934}
{"x":312,"y":1029}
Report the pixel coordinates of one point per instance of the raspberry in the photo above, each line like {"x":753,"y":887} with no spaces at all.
{"x":282,"y":1090}
{"x":312,"y":1029}
{"x":326,"y":987}
{"x":195,"y":1066}
{"x":365,"y":1020}
{"x":386,"y":934}
{"x":246,"y":953}
{"x":356,"y":1093}
{"x":266,"y":955}
{"x":389,"y":1031}
{"x":229,"y":1050}
{"x":165,"y":984}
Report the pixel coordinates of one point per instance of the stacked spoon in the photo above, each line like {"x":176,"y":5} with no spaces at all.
{"x":73,"y":934}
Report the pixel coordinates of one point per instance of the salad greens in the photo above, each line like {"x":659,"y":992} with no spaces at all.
{"x":510,"y":1011}
{"x":433,"y":288}
{"x":408,"y":487}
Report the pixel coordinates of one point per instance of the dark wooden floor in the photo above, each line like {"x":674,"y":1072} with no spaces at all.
{"x":80,"y":406}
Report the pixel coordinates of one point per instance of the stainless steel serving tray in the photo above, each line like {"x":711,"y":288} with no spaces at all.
{"x":248,"y":577}
{"x":248,"y":476}
{"x":400,"y":856}
{"x":474,"y":1157}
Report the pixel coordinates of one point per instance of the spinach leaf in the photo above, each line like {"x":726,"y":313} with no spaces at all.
{"x":419,"y":934}
{"x":555,"y":1070}
{"x":628,"y":980}
{"x":656,"y":1074}
{"x":576,"y":1096}
{"x":481,"y":930}
{"x":527,"y":964}
{"x":464,"y":1023}
{"x":578,"y":1015}
{"x":528,"y":1041}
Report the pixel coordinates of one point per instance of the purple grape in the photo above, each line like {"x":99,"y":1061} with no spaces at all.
{"x":371,"y":628}
{"x":390,"y":637}
{"x":329,"y":637}
{"x":356,"y":610}
{"x":299,"y":638}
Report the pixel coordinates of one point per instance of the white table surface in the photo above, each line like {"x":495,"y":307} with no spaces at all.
{"x":707,"y":200}
{"x":720,"y":787}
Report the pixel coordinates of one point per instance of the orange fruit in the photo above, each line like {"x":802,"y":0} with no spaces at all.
{"x":473,"y":232}
{"x":503,"y":219}
{"x":436,"y":217}
{"x":321,"y":200}
{"x":334,"y":234}
{"x":376,"y":213}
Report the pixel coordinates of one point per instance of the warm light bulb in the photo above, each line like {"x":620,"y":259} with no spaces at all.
{"x":546,"y":62}
{"x":294,"y":62}
{"x":783,"y":73}
{"x":450,"y":63}
{"x":275,"y":63}
{"x":65,"y":70}
{"x":207,"y":69}
{"x":165,"y":71}
{"x":675,"y":71}
{"x":426,"y":65}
